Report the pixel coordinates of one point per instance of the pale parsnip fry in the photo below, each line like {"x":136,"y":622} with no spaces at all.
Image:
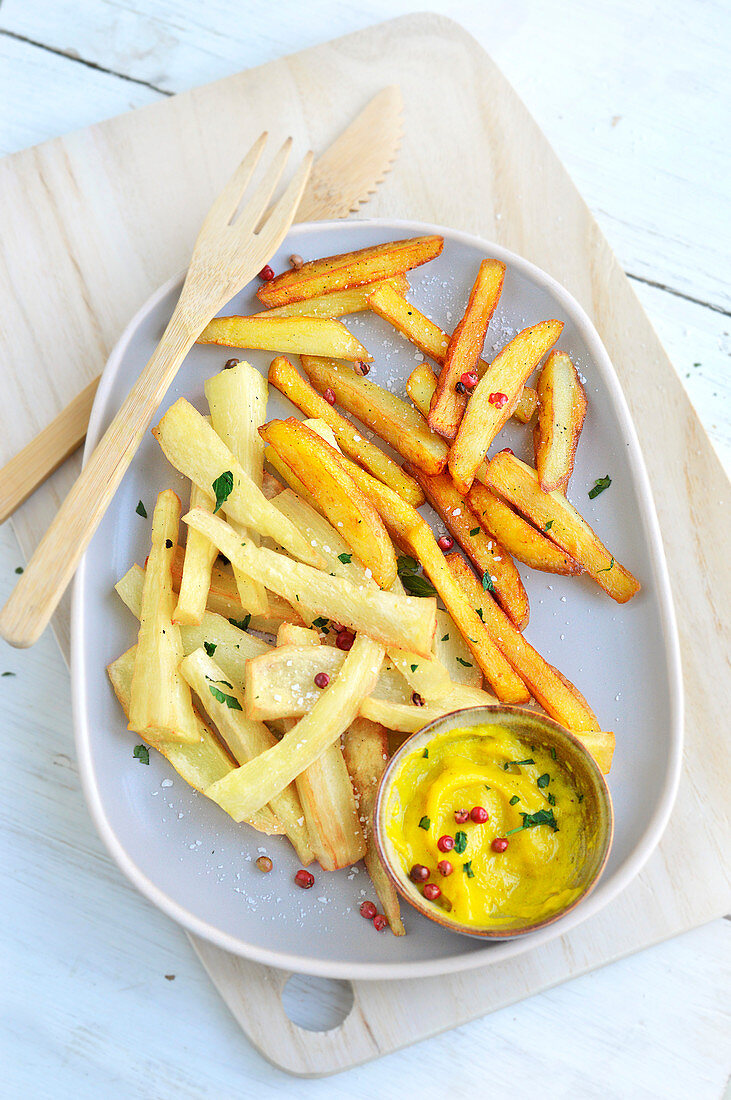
{"x":399,"y":621}
{"x":349,"y":269}
{"x":299,"y":391}
{"x":338,"y":303}
{"x":232,"y":646}
{"x":291,"y":634}
{"x":463,"y":352}
{"x":248,"y":788}
{"x":246,"y":739}
{"x":601,"y":746}
{"x":237,"y":397}
{"x":198,"y":765}
{"x":564,"y":703}
{"x":294,"y":335}
{"x":552,"y":513}
{"x":400,"y":425}
{"x":450,"y":649}
{"x":191,"y":445}
{"x":405,"y":718}
{"x":489,"y":556}
{"x":486,"y":413}
{"x":365,"y":747}
{"x":160,"y":706}
{"x":527,"y":405}
{"x":561,"y":415}
{"x":318,"y":467}
{"x":504,"y":681}
{"x":426,"y":675}
{"x":223,"y":598}
{"x":270,"y":486}
{"x":518,"y":536}
{"x":281,"y":683}
{"x":200,"y":555}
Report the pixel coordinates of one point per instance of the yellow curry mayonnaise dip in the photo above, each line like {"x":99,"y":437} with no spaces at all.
{"x":537,"y":874}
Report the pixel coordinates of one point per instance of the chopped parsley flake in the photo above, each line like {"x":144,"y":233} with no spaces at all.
{"x":600,"y":485}
{"x":141,"y":510}
{"x":425,"y":823}
{"x":414,"y":668}
{"x":544,"y":780}
{"x":552,"y":799}
{"x":467,"y":664}
{"x":460,"y":842}
{"x":425,"y":754}
{"x":549,"y":525}
{"x":487,"y":582}
{"x":320,"y":623}
{"x":222,"y":487}
{"x":8,"y":674}
{"x":541,"y":817}
{"x":416,"y":585}
{"x":230,"y":700}
{"x":445,"y":638}
{"x":210,"y":648}
{"x":607,"y":567}
{"x":405,"y":564}
{"x":141,"y":753}
{"x":514,"y":799}
{"x":479,"y":612}
{"x":467,"y":868}
{"x":475,"y":531}
{"x":517,"y":763}
{"x":345,"y":558}
{"x":242,"y":624}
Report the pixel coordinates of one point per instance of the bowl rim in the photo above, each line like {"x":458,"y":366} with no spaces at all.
{"x":647,"y":841}
{"x":452,"y":720}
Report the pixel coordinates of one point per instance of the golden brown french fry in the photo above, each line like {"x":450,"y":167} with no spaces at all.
{"x":365,"y":747}
{"x":199,"y":765}
{"x":294,"y":335}
{"x":401,"y":621}
{"x":518,"y":536}
{"x":552,"y":513}
{"x":338,"y":303}
{"x":160,"y":706}
{"x":463,"y":351}
{"x":192,"y":446}
{"x":397,"y":423}
{"x":562,"y":701}
{"x":286,"y":379}
{"x":349,"y":269}
{"x":496,"y":395}
{"x":237,"y":397}
{"x":317,"y":466}
{"x":489,"y":556}
{"x":246,"y":740}
{"x":248,"y":788}
{"x":504,"y":681}
{"x":561,"y":415}
{"x":527,"y":405}
{"x":200,"y":555}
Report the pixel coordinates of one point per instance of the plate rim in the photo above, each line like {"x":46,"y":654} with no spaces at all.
{"x":605,"y":892}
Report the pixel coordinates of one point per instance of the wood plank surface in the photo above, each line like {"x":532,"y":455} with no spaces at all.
{"x":449,"y":87}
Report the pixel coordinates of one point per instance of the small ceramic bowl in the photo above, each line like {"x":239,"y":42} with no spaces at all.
{"x":535,"y":729}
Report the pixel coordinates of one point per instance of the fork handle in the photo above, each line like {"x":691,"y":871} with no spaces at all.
{"x":56,"y":558}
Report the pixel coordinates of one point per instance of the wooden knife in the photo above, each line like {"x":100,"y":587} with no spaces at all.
{"x":345,"y":176}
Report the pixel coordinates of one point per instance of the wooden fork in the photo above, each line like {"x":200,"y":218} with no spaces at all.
{"x":231,"y":248}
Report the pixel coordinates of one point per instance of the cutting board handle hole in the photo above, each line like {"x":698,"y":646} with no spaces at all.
{"x":317,"y":1004}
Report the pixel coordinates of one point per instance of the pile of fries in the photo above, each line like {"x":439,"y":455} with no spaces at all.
{"x":336,"y":567}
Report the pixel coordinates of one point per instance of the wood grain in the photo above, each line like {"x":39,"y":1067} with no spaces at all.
{"x":456,"y":99}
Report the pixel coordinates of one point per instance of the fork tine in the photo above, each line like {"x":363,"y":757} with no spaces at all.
{"x":257,"y":204}
{"x":280,"y":216}
{"x":224,"y":207}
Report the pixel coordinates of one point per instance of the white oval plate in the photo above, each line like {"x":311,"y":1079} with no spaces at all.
{"x":181,"y":850}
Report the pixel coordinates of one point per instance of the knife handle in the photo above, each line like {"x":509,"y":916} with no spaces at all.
{"x":46,"y":452}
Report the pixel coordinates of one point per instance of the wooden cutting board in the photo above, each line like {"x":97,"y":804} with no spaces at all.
{"x":93,"y":222}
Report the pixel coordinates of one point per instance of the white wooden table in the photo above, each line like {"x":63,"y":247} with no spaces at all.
{"x":101,"y":995}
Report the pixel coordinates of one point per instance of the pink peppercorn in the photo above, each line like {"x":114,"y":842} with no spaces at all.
{"x":432,"y":891}
{"x":460,"y":816}
{"x":499,"y":844}
{"x":446,"y":542}
{"x":304,"y":879}
{"x":498,"y":399}
{"x":445,"y":843}
{"x":266,"y":274}
{"x":479,"y":815}
{"x":379,"y":922}
{"x":322,"y":680}
{"x":469,"y":379}
{"x":329,"y":396}
{"x":368,"y":910}
{"x":444,"y":867}
{"x":345,"y":640}
{"x":419,"y":873}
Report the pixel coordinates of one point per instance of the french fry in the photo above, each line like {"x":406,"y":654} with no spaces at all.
{"x":200,"y":555}
{"x":404,"y":622}
{"x":251,"y":786}
{"x":291,"y":634}
{"x":365,"y":747}
{"x":561,"y":415}
{"x":465,"y":346}
{"x":338,"y":303}
{"x":406,"y":718}
{"x":191,"y":445}
{"x":293,"y":335}
{"x":237,"y":397}
{"x":451,"y":650}
{"x":160,"y":707}
{"x":198,"y":765}
{"x":485,"y":414}
{"x":286,"y":379}
{"x":317,"y":466}
{"x":552,"y":513}
{"x":527,"y":405}
{"x":558,"y":698}
{"x":488,"y":555}
{"x":518,"y":536}
{"x":601,"y":746}
{"x":270,"y":486}
{"x":246,"y":739}
{"x":281,"y":683}
{"x":348,"y":270}
{"x":233,"y":647}
{"x":223,"y":598}
{"x":397,"y":423}
{"x":504,"y":681}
